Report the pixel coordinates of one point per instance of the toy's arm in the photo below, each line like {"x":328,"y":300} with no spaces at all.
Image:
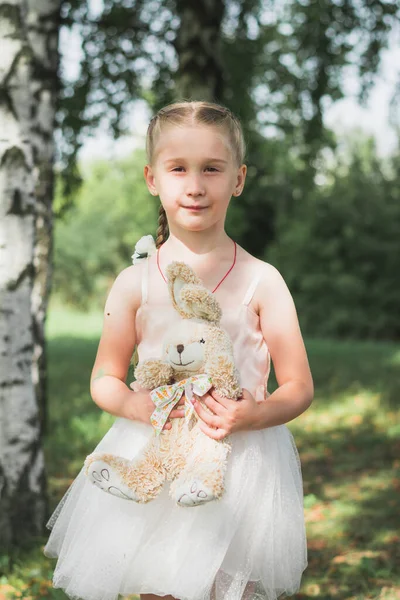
{"x":220,"y":365}
{"x":152,"y":373}
{"x":225,"y":376}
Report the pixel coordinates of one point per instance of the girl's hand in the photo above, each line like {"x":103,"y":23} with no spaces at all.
{"x":140,"y":407}
{"x":176,"y":413}
{"x":228,"y":415}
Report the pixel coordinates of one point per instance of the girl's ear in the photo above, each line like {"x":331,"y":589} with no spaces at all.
{"x":150,"y":180}
{"x":240,"y":179}
{"x":189,"y":297}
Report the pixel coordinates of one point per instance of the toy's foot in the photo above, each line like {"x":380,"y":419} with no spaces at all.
{"x":105,"y":477}
{"x":193,"y":493}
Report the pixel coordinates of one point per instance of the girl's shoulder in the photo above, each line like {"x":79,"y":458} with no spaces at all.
{"x":265,"y":272}
{"x":127,"y":286}
{"x":270,"y":287}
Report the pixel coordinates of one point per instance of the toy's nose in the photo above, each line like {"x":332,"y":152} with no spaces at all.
{"x":180,"y":348}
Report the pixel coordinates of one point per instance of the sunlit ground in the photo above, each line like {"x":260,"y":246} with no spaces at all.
{"x":349,"y":444}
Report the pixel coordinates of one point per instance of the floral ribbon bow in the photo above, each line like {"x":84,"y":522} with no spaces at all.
{"x":165,"y":397}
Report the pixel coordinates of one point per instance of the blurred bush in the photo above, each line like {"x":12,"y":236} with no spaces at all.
{"x":339,"y":251}
{"x":95,"y":238}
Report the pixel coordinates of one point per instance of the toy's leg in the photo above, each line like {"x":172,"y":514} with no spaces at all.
{"x":202,"y":479}
{"x":139,"y":480}
{"x":105,"y":472}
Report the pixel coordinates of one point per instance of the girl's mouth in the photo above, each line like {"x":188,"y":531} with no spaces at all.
{"x":197,"y":208}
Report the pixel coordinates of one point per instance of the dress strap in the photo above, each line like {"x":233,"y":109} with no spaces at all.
{"x":145,"y":280}
{"x":251,"y":289}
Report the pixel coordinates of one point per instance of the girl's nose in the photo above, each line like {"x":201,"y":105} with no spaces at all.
{"x":195,"y":186}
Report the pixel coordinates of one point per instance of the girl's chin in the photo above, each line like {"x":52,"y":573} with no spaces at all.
{"x":195,"y":227}
{"x":195,"y":223}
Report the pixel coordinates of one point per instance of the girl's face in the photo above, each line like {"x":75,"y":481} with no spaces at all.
{"x":195,"y":176}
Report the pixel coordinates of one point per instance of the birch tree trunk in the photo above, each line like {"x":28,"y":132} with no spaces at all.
{"x":23,"y":505}
{"x":43,"y":23}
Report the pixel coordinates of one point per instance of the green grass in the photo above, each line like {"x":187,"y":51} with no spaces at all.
{"x":349,"y":444}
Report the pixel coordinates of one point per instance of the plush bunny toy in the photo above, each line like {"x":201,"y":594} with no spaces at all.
{"x":197,"y":354}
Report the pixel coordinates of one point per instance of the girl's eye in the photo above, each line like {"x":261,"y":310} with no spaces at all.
{"x":180,"y":169}
{"x":202,"y":341}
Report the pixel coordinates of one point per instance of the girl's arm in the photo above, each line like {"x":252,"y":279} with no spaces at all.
{"x":117,"y":342}
{"x":281,"y":331}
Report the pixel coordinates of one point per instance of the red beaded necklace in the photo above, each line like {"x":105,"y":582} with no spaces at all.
{"x":224,"y":277}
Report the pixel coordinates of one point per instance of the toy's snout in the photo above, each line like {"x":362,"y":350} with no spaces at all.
{"x":185,"y":346}
{"x":186,"y":357}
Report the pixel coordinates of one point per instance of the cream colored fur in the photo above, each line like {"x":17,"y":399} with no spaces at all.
{"x":184,"y":455}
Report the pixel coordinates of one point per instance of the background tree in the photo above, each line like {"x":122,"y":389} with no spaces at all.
{"x":43,"y":33}
{"x":27,"y":107}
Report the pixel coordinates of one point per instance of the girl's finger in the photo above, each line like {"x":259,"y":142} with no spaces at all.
{"x":176,"y":413}
{"x":226,"y":402}
{"x":215,"y":434}
{"x":216,"y":407}
{"x":209,"y":419}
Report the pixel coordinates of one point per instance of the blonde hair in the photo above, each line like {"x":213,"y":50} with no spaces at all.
{"x":193,"y":113}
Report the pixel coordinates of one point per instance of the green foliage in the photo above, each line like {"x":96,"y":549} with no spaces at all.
{"x":339,"y":251}
{"x":276,"y":66}
{"x":95,"y":239}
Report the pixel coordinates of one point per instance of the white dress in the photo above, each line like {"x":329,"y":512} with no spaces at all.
{"x":250,"y":545}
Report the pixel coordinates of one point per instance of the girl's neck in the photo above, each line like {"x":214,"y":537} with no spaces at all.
{"x":194,"y":247}
{"x":209,"y":257}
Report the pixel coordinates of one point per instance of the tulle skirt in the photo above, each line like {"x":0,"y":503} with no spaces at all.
{"x":249,"y":545}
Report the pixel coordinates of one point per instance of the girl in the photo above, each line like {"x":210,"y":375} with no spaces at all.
{"x":251,"y":543}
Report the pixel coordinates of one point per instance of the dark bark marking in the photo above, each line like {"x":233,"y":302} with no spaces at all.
{"x":26,"y":348}
{"x":27,"y":272}
{"x":12,"y":13}
{"x":11,"y":383}
{"x":16,"y":207}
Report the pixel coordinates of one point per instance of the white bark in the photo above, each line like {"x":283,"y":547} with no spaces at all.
{"x":22,"y":475}
{"x":42,"y":30}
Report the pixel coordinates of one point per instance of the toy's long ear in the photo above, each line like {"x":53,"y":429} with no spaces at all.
{"x":199,"y":303}
{"x":189,"y":296}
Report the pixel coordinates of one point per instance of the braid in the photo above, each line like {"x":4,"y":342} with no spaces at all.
{"x":162,"y":229}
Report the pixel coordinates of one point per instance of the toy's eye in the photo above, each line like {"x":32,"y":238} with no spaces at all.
{"x":202,"y":341}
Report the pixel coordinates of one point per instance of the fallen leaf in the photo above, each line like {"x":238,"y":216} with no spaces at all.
{"x":353,"y":558}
